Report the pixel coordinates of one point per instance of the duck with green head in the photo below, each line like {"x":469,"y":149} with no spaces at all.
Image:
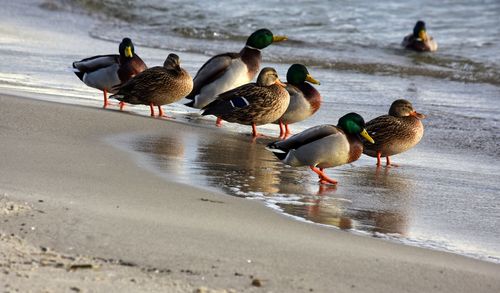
{"x":253,"y":103}
{"x":108,"y":72}
{"x":324,"y":146}
{"x":394,"y":133}
{"x":227,"y":71}
{"x":419,"y":40}
{"x":305,"y":100}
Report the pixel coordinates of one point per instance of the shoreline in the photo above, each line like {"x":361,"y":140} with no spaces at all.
{"x":96,"y":201}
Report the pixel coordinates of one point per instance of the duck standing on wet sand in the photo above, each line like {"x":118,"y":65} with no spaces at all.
{"x":253,"y":103}
{"x":305,"y":100}
{"x":419,"y":40}
{"x":157,"y":86}
{"x":394,"y":133}
{"x":324,"y":146}
{"x":230,"y":70}
{"x":108,"y":72}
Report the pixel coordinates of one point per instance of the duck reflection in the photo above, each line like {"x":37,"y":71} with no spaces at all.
{"x":384,"y":206}
{"x":369,"y":199}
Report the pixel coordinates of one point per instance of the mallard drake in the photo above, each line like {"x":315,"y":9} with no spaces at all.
{"x":305,"y":100}
{"x":394,"y":133}
{"x":419,"y":40}
{"x":324,"y":146}
{"x":108,"y":72}
{"x":229,"y":70}
{"x":157,"y":86}
{"x":253,"y":103}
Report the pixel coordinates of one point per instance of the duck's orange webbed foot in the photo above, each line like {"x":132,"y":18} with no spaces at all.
{"x":323,"y":179}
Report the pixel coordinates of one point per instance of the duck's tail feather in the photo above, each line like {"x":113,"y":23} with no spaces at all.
{"x":277,"y":151}
{"x":76,"y":71}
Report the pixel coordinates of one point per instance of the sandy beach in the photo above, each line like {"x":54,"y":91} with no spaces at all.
{"x":78,"y":213}
{"x":95,"y":200}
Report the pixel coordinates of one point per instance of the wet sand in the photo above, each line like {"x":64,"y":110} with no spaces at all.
{"x":85,"y":197}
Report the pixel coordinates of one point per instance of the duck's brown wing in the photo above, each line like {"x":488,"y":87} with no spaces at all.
{"x":140,"y":88}
{"x":382,"y":129}
{"x":240,"y":97}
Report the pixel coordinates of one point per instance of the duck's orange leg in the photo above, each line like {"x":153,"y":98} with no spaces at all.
{"x":105,"y":92}
{"x":287,"y":132}
{"x":282,"y":130}
{"x":255,"y":134}
{"x":323,"y":179}
{"x":218,"y":122}
{"x":152,"y":109}
{"x":388,"y":162}
{"x":122,"y":105}
{"x":162,"y":113}
{"x":378,"y":159}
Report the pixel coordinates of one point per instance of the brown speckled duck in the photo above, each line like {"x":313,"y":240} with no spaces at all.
{"x":394,"y":133}
{"x":324,"y":146}
{"x":157,"y":86}
{"x":227,"y":71}
{"x":108,"y":72}
{"x":253,"y":103}
{"x":419,"y":40}
{"x":305,"y":100}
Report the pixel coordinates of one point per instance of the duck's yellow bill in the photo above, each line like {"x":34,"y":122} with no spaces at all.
{"x":311,"y":79}
{"x":423,"y":35}
{"x":279,"y":38}
{"x":365,"y":134}
{"x":128,"y":52}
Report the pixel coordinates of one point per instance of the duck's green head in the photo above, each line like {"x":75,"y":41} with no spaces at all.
{"x":403,"y":108}
{"x":353,"y":123}
{"x":298,"y":74}
{"x":263,"y":38}
{"x":172,"y":62}
{"x":268,"y":76}
{"x":419,"y":31}
{"x":126,"y":48}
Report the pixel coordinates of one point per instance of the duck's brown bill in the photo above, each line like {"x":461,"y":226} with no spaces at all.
{"x":279,"y":82}
{"x":418,"y":115}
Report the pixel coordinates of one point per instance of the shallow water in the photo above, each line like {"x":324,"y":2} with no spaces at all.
{"x":446,"y":193}
{"x":413,"y":203}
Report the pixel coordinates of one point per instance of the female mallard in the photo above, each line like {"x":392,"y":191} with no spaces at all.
{"x":394,"y":133}
{"x":230,"y":70}
{"x":324,"y":146}
{"x":305,"y":100}
{"x":419,"y":41}
{"x":157,"y":86}
{"x":108,"y":72}
{"x":253,"y":103}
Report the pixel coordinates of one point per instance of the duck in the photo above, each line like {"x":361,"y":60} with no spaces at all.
{"x":419,"y":40}
{"x":324,"y":146}
{"x":108,"y":72}
{"x":157,"y":86}
{"x":394,"y":133}
{"x":227,"y":71}
{"x":253,"y":104}
{"x":305,"y":100}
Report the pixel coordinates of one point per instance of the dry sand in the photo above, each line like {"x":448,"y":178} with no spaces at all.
{"x":69,"y":198}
